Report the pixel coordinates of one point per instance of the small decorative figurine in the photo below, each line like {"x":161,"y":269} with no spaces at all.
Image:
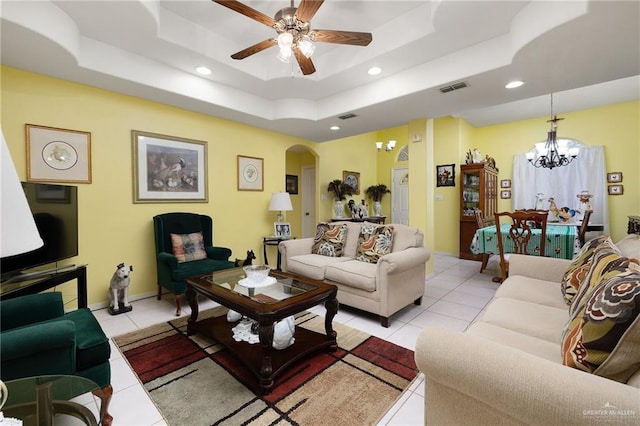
{"x":119,"y":290}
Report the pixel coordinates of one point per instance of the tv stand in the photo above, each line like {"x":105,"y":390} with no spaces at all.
{"x":26,"y":275}
{"x":44,"y":280}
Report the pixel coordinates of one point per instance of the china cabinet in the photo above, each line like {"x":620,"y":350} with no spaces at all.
{"x":478,"y":190}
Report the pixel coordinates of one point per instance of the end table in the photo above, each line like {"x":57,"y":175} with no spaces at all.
{"x":272,"y":240}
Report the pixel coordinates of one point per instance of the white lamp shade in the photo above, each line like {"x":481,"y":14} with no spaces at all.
{"x":18,"y":232}
{"x":280,"y":201}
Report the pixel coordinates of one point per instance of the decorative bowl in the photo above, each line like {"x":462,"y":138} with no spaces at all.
{"x":257,"y":273}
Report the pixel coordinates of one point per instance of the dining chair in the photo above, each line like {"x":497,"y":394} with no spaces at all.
{"x":482,"y":223}
{"x":582,"y":230}
{"x":519,"y":231}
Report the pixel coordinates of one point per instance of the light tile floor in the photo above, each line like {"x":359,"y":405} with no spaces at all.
{"x":455,"y":295}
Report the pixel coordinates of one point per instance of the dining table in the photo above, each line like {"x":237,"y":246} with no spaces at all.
{"x":562,"y":241}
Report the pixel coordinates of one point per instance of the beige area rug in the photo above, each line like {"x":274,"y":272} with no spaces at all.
{"x":194,"y":381}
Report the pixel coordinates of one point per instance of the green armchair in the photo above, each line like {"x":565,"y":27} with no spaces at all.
{"x":38,"y":338}
{"x":171,"y":272}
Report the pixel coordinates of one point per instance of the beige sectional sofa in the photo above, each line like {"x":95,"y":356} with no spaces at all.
{"x":382,"y":288}
{"x":507,"y":368}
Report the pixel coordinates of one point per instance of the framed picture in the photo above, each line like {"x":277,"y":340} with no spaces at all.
{"x":505,"y":183}
{"x":168,"y":169}
{"x":616,"y":189}
{"x":250,"y":173}
{"x":282,"y":229}
{"x":353,"y":180}
{"x":505,"y":194}
{"x":614,"y":177}
{"x":291,"y":184}
{"x":446,"y":175}
{"x":58,"y":155}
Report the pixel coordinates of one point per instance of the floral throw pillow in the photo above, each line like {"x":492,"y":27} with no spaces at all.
{"x":580,"y":265}
{"x":329,"y":239}
{"x":374,"y":242}
{"x":188,"y":247}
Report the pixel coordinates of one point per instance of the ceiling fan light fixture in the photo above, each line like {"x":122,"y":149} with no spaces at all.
{"x":285,"y":40}
{"x":306,"y":46}
{"x":284,"y":54}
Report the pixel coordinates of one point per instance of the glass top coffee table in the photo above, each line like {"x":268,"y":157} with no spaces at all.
{"x":288,"y":295}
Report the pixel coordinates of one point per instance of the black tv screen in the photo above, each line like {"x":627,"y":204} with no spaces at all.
{"x":55,"y":212}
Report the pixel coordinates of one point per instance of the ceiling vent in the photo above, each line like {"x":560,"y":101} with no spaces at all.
{"x":347,"y":116}
{"x":454,"y":86}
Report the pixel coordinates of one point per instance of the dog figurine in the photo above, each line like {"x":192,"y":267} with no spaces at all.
{"x":248,"y":261}
{"x":119,"y":289}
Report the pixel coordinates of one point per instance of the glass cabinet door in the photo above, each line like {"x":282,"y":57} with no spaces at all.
{"x":470,"y":192}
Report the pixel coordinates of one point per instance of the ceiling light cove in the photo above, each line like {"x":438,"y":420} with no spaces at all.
{"x":514,"y":84}
{"x":203,"y":70}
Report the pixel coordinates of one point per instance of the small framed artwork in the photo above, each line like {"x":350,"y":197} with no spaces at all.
{"x":291,"y":184}
{"x":505,"y":183}
{"x":168,"y":169}
{"x":250,"y":173}
{"x":505,"y":194}
{"x":282,"y":229}
{"x":614,"y":177}
{"x":353,"y":180}
{"x":616,"y":189}
{"x":58,"y":155}
{"x":446,"y":175}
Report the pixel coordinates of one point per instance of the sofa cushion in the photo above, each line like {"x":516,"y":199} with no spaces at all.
{"x":603,"y":336}
{"x":578,"y":268}
{"x":532,"y":290}
{"x":405,"y":237}
{"x":355,"y":274}
{"x":188,"y":247}
{"x":374,"y":242}
{"x":312,"y":265}
{"x":629,"y":246}
{"x":329,"y":239}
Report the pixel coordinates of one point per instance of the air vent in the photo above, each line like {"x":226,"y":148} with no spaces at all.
{"x":346,"y":116}
{"x":454,"y":86}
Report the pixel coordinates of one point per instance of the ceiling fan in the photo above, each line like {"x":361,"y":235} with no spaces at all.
{"x":295,"y":35}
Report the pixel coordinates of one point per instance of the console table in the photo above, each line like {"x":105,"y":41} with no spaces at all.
{"x":372,"y":219}
{"x":9,"y":290}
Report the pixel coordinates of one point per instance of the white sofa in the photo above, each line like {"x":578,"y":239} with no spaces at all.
{"x":382,"y":288}
{"x":507,"y":367}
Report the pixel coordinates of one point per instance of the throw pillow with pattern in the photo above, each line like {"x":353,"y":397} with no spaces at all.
{"x":374,"y":242}
{"x":188,"y":247}
{"x":577,"y":271}
{"x":329,"y":239}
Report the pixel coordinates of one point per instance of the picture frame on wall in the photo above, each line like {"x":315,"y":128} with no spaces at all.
{"x":446,"y":175}
{"x":505,"y":183}
{"x":614,"y":177}
{"x":505,"y":194}
{"x":250,"y":173}
{"x":616,"y":189}
{"x":58,"y":155}
{"x":353,"y":180}
{"x":168,"y":169}
{"x":291,"y":184}
{"x":282,"y":229}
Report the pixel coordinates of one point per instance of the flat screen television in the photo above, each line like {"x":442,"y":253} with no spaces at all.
{"x":55,"y":212}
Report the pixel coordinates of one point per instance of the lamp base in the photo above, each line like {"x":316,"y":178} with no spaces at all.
{"x":280,"y":217}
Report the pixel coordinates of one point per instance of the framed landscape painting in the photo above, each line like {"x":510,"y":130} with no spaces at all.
{"x":168,"y":169}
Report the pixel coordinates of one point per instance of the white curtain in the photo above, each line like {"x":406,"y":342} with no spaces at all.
{"x":586,"y":172}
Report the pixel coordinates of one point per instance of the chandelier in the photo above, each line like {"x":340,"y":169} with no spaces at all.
{"x":552,"y":153}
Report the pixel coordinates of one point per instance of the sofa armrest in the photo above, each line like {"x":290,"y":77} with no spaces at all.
{"x":499,"y":382}
{"x":403,"y":260}
{"x":218,"y":253}
{"x":168,"y":259}
{"x":542,"y":268}
{"x":290,"y":248}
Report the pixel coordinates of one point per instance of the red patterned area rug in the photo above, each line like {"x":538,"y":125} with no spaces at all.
{"x":194,"y":381}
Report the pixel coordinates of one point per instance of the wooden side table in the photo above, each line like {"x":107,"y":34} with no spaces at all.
{"x":272,"y":240}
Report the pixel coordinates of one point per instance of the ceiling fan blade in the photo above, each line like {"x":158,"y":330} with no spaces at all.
{"x":258,"y":47}
{"x":306,"y":65}
{"x":342,"y":37}
{"x":247,"y":11}
{"x":307,"y":9}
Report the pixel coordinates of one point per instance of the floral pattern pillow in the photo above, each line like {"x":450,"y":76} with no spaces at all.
{"x":374,"y":242}
{"x":188,"y":247}
{"x":579,"y":267}
{"x":329,"y":240}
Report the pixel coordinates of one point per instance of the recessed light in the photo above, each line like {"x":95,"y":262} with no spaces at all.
{"x":374,"y":70}
{"x":203,"y":70}
{"x":335,"y":127}
{"x":514,"y":84}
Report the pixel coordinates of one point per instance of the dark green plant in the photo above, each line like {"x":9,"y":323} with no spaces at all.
{"x":339,"y":189}
{"x":376,"y":192}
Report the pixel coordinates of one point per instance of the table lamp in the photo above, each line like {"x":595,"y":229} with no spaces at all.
{"x":19,"y":233}
{"x":280,"y":201}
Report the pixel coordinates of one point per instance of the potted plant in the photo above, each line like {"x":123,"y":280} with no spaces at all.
{"x":340,"y":190}
{"x":376,"y":192}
